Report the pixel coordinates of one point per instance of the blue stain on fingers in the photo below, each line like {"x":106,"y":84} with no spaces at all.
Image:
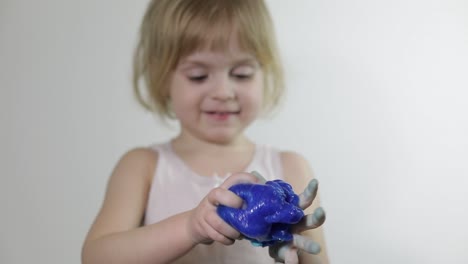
{"x":307,"y":197}
{"x":261,"y":179}
{"x":311,"y":221}
{"x":306,"y":244}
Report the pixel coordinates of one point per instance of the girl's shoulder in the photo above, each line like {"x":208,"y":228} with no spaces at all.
{"x":140,"y":155}
{"x":139,"y":161}
{"x":292,"y":159}
{"x":288,"y":157}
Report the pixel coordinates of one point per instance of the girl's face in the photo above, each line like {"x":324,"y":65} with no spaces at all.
{"x":216,"y":95}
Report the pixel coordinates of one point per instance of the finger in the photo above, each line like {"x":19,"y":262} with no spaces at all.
{"x":216,"y":236}
{"x":218,"y":224}
{"x":307,"y":197}
{"x":306,"y":244}
{"x":225,"y":197}
{"x":290,"y":256}
{"x":239,"y":178}
{"x":310,"y":221}
{"x":278,"y":251}
{"x":284,"y":253}
{"x":261,"y":179}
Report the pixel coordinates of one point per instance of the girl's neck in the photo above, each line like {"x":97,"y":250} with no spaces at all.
{"x":208,"y":158}
{"x":185,"y":142}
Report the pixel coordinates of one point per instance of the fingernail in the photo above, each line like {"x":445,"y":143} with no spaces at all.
{"x":313,"y":183}
{"x":258,"y":176}
{"x":319,"y":213}
{"x":314,"y":248}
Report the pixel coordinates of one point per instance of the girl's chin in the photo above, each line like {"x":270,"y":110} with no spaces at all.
{"x":222,"y":137}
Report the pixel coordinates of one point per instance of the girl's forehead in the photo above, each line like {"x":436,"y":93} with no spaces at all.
{"x":215,"y":42}
{"x":231,"y":53}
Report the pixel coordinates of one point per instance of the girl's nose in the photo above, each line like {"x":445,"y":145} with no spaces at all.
{"x":223,"y":90}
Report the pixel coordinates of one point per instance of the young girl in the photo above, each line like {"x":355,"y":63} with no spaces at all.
{"x":213,"y":65}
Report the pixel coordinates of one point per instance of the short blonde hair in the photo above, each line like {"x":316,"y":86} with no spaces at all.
{"x":173,"y":29}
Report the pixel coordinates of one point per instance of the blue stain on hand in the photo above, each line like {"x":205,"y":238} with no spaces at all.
{"x":268,"y":212}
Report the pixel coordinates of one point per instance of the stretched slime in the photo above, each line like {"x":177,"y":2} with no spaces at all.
{"x":268,"y":212}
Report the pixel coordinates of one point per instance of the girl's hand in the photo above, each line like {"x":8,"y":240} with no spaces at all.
{"x":205,"y":225}
{"x":288,"y":252}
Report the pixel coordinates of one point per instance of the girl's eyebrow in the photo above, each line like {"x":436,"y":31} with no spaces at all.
{"x":186,"y":64}
{"x":247,"y":61}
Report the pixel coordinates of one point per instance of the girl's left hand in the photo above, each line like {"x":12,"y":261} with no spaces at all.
{"x":288,"y":252}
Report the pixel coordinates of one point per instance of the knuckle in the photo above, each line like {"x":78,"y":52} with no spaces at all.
{"x":218,"y":237}
{"x":215,"y":194}
{"x":215,"y":221}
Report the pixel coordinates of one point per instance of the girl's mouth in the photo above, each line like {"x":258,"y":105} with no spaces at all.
{"x":221,"y":116}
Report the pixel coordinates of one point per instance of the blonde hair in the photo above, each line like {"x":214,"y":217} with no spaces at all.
{"x":173,"y":29}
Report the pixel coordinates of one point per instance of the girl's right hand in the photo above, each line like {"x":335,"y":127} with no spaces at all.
{"x":205,"y":225}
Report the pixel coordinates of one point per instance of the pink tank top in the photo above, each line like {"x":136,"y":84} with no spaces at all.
{"x":176,"y":188}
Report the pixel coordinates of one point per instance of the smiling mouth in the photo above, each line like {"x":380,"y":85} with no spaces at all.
{"x":221,"y":115}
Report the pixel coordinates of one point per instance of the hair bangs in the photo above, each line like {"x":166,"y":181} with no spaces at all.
{"x":213,"y":32}
{"x":212,"y":25}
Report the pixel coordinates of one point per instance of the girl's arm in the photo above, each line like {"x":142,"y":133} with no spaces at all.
{"x":117,"y":236}
{"x":297,"y":172}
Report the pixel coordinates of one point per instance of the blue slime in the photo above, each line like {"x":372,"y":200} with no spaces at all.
{"x":267,"y":214}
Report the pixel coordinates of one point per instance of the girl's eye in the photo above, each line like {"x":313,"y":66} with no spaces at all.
{"x":243,"y":76}
{"x":198,"y":78}
{"x":243,"y":72}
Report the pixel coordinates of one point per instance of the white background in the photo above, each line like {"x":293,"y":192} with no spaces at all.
{"x":376,"y":103}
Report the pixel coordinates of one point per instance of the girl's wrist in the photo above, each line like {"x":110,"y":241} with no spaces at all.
{"x":190,"y":230}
